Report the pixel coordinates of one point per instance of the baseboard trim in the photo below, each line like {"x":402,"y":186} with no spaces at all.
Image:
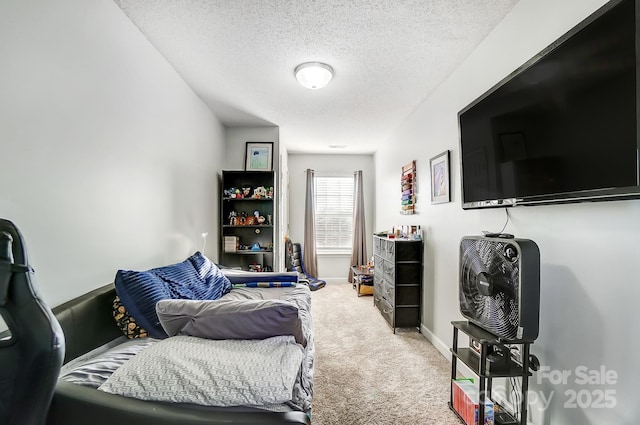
{"x":335,"y":279}
{"x":433,"y":339}
{"x":445,"y":350}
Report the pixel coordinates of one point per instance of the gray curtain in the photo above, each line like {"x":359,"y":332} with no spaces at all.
{"x":359,"y":243}
{"x":309,"y":256}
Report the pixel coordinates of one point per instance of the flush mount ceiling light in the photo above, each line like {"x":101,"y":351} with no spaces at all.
{"x":313,"y":75}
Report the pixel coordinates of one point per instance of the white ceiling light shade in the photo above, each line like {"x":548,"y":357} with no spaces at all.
{"x":313,"y":75}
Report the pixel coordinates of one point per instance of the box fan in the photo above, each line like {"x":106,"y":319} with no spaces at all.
{"x":500,"y":285}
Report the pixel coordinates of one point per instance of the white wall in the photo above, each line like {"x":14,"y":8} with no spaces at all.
{"x":237,"y":137}
{"x":589,"y":251}
{"x":109,"y":159}
{"x":330,"y":267}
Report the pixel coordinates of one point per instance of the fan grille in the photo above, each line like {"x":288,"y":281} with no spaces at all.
{"x":487,"y":260}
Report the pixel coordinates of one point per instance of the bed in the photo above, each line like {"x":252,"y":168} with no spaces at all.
{"x":99,"y":382}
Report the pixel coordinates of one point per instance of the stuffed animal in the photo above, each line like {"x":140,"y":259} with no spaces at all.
{"x":260,"y":192}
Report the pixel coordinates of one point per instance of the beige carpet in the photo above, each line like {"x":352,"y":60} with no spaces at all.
{"x":364,"y":374}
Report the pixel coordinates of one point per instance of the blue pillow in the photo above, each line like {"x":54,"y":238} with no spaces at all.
{"x":208,"y":270}
{"x":196,"y":278}
{"x":236,"y":276}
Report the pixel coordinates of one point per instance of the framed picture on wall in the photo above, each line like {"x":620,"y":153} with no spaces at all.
{"x":258,"y":156}
{"x":440,"y":190}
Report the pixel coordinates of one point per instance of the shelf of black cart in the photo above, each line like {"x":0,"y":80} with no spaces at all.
{"x":481,"y":335}
{"x":472,"y":360}
{"x":462,"y":419}
{"x":248,"y":226}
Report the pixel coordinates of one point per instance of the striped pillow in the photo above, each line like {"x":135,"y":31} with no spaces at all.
{"x":196,"y":278}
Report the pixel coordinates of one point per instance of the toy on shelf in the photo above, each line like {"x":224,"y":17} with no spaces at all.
{"x":258,"y":218}
{"x":260,"y":192}
{"x":233,"y":218}
{"x":246,"y":191}
{"x":230,"y":193}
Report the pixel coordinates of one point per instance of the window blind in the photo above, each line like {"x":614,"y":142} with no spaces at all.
{"x":334,"y":213}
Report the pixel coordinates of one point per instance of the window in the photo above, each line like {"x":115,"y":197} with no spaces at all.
{"x":334,"y":213}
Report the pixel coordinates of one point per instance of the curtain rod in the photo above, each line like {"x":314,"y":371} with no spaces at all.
{"x":329,"y":174}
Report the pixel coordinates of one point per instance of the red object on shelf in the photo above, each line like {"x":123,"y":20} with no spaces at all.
{"x":466,"y":403}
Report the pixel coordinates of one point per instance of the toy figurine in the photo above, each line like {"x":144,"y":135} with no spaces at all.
{"x":233,"y":218}
{"x":243,"y":219}
{"x":259,"y":218}
{"x":246,"y":191}
{"x":260,"y":192}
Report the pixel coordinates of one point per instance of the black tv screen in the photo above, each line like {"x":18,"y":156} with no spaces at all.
{"x":564,"y":126}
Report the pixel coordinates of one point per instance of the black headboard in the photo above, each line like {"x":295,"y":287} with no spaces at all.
{"x":87,"y":321}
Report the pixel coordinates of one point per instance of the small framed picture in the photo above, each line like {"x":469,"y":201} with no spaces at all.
{"x":439,"y":165}
{"x":258,"y":156}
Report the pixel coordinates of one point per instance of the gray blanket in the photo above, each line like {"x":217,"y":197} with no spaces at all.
{"x":300,"y":296}
{"x":96,"y":368}
{"x":186,"y":369}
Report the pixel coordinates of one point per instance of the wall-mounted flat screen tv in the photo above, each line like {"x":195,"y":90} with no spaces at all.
{"x":564,"y":126}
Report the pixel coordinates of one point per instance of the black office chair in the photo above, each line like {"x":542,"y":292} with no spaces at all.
{"x":298,"y":266}
{"x":31,"y":339}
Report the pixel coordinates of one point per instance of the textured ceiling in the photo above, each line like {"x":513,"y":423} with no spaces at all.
{"x":388,"y":56}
